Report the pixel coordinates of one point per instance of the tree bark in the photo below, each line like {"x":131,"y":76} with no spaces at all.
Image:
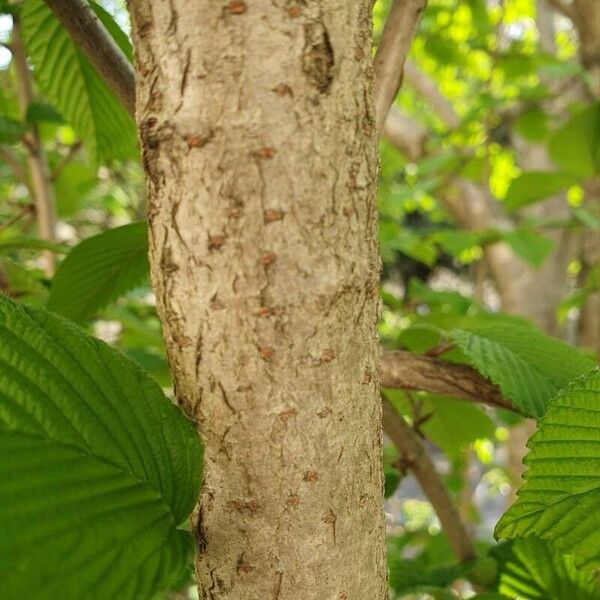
{"x":259,"y":144}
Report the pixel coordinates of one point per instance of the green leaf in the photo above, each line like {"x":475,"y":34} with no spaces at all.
{"x":74,"y":87}
{"x":575,"y":147}
{"x":534,"y":186}
{"x":391,"y":474}
{"x":561,"y":494}
{"x":412,"y":576}
{"x":454,"y":241}
{"x":98,"y":469}
{"x":454,"y":424}
{"x":23,"y":283}
{"x":530,"y":570}
{"x":447,"y":301}
{"x":39,"y":112}
{"x":529,"y":245}
{"x":528,"y":366}
{"x":11,"y":130}
{"x":99,"y":270}
{"x":115,"y":31}
{"x":74,"y":181}
{"x":18,"y":242}
{"x":532,"y":125}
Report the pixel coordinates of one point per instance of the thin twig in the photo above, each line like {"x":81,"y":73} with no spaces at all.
{"x":28,"y":209}
{"x":92,"y":38}
{"x":12,"y":160}
{"x":396,"y":39}
{"x":404,"y":370}
{"x":416,"y":458}
{"x":440,"y":349}
{"x":66,"y":159}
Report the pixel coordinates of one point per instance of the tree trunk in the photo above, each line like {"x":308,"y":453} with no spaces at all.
{"x":259,"y":145}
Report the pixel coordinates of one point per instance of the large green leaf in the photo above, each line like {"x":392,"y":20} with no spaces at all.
{"x":98,"y":469}
{"x":530,"y":570}
{"x":560,"y":498}
{"x":99,"y":270}
{"x":454,"y":424}
{"x":575,"y":147}
{"x":74,"y":86}
{"x":11,"y":130}
{"x":528,"y":366}
{"x":534,"y":186}
{"x":413,"y":577}
{"x":529,"y":245}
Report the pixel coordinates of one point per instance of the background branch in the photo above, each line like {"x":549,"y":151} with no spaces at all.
{"x":43,"y":192}
{"x":396,"y":39}
{"x":416,"y":458}
{"x":426,"y":87}
{"x":404,"y":370}
{"x":563,"y":7}
{"x":92,"y":38}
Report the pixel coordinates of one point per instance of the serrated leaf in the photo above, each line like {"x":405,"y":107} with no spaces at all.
{"x":74,"y":87}
{"x":99,"y":270}
{"x":528,"y":366}
{"x":530,"y":570}
{"x":529,"y":245}
{"x":98,"y":467}
{"x":533,"y":186}
{"x":561,"y":494}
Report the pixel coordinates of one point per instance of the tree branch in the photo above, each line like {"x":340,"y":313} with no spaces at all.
{"x":427,"y":88}
{"x":406,"y":135}
{"x":92,"y":38}
{"x":404,"y":370}
{"x":396,"y":39}
{"x":564,"y":8}
{"x":417,"y":459}
{"x":43,"y":192}
{"x":12,"y":160}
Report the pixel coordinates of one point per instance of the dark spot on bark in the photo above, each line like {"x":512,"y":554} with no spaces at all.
{"x":283,"y":90}
{"x":318,"y":59}
{"x":311,"y":476}
{"x":267,"y":259}
{"x":236,"y":8}
{"x":272,"y":214}
{"x":266,"y":352}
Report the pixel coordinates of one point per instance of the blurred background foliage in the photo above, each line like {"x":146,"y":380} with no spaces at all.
{"x":488,"y":200}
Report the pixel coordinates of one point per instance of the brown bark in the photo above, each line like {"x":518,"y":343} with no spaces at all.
{"x":401,"y":369}
{"x":258,"y":134}
{"x":400,"y":27}
{"x":91,"y":37}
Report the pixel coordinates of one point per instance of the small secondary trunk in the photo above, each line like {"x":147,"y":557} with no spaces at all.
{"x":259,"y":146}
